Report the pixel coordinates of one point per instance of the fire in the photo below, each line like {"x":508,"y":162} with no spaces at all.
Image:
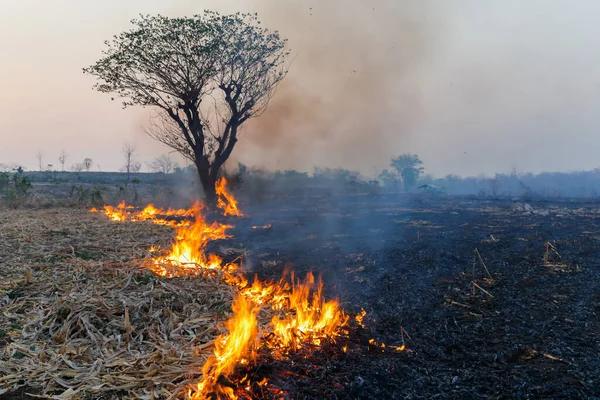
{"x":170,"y":217}
{"x":235,"y":347}
{"x":309,"y":318}
{"x":294,"y":313}
{"x":187,"y":255}
{"x":305,"y":319}
{"x":360,"y":317}
{"x":157,"y":216}
{"x":118,"y":213}
{"x":383,"y":347}
{"x":226,"y":201}
{"x":267,"y":226}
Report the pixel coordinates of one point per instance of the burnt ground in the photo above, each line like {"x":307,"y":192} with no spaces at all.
{"x":531,"y":329}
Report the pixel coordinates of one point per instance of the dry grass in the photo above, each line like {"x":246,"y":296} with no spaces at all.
{"x":82,"y":318}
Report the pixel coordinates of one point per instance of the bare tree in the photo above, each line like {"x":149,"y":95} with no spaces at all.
{"x":87,"y":164}
{"x":164,"y":164}
{"x":62,"y":158}
{"x":207,"y":75}
{"x":10,"y":167}
{"x":40,"y":158}
{"x":77,"y":167}
{"x":131,"y":164}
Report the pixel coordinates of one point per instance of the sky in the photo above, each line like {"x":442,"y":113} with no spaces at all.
{"x":473,"y":87}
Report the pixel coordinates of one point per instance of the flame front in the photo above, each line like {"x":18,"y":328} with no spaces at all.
{"x":360,"y":317}
{"x":118,"y":213}
{"x":299,"y":314}
{"x":170,"y":217}
{"x":305,"y":319}
{"x":158,"y":216}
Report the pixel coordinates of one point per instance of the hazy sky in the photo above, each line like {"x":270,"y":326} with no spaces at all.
{"x":471,"y":86}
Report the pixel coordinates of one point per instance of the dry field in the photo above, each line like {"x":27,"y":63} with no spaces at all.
{"x":81,"y":316}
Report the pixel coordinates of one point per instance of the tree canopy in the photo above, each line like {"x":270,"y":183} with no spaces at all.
{"x":409,"y":167}
{"x":207,"y":74}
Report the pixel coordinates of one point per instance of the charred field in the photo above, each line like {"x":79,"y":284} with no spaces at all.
{"x":489,"y":298}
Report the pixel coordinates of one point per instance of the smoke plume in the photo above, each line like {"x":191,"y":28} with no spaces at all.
{"x":471,"y":86}
{"x":352,"y":90}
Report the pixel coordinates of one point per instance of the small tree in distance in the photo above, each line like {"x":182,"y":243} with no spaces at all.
{"x":409,"y":168}
{"x":62,"y":158}
{"x":40,"y":158}
{"x":131,"y":164}
{"x":164,"y":164}
{"x":87,"y":164}
{"x":206,"y":74}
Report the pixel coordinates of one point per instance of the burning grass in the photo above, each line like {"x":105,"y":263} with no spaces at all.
{"x":298,"y":314}
{"x":106,"y":325}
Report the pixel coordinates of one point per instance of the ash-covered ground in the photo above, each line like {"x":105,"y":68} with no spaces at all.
{"x":528,"y":329}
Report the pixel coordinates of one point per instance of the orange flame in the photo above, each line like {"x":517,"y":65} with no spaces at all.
{"x":382,"y":346}
{"x":118,"y":213}
{"x":170,"y":217}
{"x":309,"y":318}
{"x":306,"y":318}
{"x":187,"y":255}
{"x":267,"y":226}
{"x":303,"y":316}
{"x":230,"y":349}
{"x":360,"y":317}
{"x":157,"y":216}
{"x":226,"y":201}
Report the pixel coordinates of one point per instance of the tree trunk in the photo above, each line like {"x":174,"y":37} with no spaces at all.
{"x":208,"y":184}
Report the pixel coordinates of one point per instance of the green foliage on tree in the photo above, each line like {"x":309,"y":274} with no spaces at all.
{"x":206,"y":74}
{"x":409,"y":167}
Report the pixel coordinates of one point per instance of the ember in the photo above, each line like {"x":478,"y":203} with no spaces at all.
{"x":267,"y":226}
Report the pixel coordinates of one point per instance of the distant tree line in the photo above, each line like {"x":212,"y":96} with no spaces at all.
{"x":162,"y":164}
{"x":407,"y":174}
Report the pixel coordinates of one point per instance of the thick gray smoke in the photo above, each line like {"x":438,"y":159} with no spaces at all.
{"x":352,"y":91}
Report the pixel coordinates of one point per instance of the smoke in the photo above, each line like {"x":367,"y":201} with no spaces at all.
{"x":472,"y":87}
{"x":352,"y":93}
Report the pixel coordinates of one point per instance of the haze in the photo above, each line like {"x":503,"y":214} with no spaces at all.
{"x":471,"y":86}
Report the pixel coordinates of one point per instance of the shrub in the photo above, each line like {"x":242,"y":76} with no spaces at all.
{"x":15,"y":187}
